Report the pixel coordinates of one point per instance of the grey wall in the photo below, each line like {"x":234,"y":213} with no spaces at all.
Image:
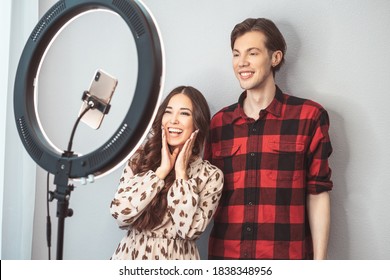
{"x":337,"y":55}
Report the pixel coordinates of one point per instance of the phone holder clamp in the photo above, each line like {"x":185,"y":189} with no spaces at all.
{"x":95,"y":102}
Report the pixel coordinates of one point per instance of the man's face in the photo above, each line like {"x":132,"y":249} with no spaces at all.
{"x":252,"y":61}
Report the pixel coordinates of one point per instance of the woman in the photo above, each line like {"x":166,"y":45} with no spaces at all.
{"x":173,"y":195}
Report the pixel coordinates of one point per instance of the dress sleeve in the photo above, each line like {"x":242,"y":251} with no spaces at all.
{"x":133,"y":195}
{"x":192,"y":203}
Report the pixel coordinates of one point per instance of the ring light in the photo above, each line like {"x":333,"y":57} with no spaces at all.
{"x":136,"y":122}
{"x":142,"y":109}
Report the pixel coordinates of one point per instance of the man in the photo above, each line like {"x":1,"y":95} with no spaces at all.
{"x":273,"y":149}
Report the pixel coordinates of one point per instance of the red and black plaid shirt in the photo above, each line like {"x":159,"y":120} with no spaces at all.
{"x":270,"y":165}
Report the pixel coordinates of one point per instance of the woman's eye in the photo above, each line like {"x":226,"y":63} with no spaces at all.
{"x":185,"y":113}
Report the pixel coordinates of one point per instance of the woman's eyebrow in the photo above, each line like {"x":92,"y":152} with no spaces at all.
{"x":186,"y":109}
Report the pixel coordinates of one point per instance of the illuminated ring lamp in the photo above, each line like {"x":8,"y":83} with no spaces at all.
{"x":133,"y":128}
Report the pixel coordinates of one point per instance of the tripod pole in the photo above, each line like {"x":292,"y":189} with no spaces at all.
{"x":61,"y":228}
{"x":62,"y":194}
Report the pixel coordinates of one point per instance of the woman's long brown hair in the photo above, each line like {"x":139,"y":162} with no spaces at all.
{"x":148,"y":157}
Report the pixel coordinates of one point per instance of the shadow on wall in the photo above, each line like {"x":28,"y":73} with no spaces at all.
{"x":203,"y":242}
{"x":339,"y":241}
{"x":292,"y":55}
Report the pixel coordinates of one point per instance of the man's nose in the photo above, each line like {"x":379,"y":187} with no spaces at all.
{"x":243,"y":61}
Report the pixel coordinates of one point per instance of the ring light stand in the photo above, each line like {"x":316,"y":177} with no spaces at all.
{"x":137,"y":121}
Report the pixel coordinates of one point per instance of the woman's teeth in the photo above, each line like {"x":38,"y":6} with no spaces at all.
{"x":175,"y":130}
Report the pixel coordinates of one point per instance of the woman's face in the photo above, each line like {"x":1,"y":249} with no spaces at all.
{"x":178,"y":121}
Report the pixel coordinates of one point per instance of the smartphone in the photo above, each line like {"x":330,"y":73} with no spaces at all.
{"x":102,"y":86}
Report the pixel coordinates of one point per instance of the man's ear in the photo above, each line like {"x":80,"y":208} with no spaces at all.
{"x":276,"y":58}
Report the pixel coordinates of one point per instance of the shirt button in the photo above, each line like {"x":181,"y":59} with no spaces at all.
{"x":250,"y":203}
{"x":248,"y":229}
{"x":254,"y":129}
{"x":252,"y":154}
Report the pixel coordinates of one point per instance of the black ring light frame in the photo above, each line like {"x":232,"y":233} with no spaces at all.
{"x":136,"y":122}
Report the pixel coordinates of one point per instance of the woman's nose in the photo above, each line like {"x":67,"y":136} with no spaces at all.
{"x":173,"y":119}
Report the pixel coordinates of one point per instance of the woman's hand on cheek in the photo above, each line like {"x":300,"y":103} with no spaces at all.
{"x":184,"y":157}
{"x":167,"y":158}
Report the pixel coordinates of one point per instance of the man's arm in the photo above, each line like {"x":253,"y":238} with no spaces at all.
{"x":318,"y":207}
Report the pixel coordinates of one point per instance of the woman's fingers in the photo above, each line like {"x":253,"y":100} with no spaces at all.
{"x":186,"y":151}
{"x":167,"y":162}
{"x":164,"y":139}
{"x":192,"y":142}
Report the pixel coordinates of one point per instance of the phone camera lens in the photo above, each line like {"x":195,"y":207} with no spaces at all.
{"x":97,"y":76}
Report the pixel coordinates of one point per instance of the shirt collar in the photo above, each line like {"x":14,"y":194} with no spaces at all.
{"x":274,"y":108}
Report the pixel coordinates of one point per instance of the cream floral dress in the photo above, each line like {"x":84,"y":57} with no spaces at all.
{"x":191,"y":205}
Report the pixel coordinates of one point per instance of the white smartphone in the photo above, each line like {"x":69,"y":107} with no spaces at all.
{"x":102,"y":86}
